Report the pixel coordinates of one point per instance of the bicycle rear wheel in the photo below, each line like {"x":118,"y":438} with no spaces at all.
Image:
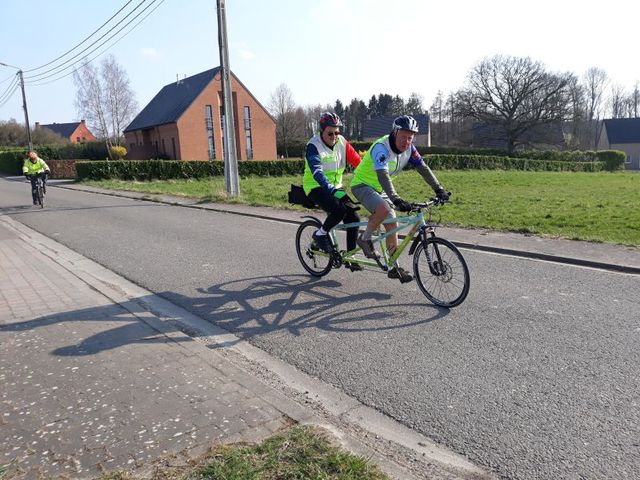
{"x":441,"y":272}
{"x":314,"y":261}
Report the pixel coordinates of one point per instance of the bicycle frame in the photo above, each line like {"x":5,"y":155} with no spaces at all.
{"x":416,"y":223}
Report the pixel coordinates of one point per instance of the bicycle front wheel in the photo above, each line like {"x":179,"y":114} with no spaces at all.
{"x":313,"y":260}
{"x":441,"y":272}
{"x":40,"y":196}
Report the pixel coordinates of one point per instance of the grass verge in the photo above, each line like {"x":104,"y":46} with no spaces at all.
{"x":300,"y":452}
{"x":602,"y":207}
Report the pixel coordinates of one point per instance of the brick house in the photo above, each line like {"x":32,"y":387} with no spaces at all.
{"x":184,"y":122}
{"x":376,"y":127}
{"x":622,"y":134}
{"x":76,"y":132}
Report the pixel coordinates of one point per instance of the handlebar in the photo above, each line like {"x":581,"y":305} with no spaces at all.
{"x":432,"y":202}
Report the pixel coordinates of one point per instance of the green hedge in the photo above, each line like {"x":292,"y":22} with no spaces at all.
{"x":478,"y":162}
{"x":11,"y":161}
{"x":167,"y":169}
{"x":12,"y":158}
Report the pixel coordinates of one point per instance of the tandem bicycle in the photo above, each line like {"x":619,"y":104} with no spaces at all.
{"x":439,"y":268}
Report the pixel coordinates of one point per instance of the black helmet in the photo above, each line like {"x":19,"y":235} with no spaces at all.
{"x":329,"y":119}
{"x":405,"y":122}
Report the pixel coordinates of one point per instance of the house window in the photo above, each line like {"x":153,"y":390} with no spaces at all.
{"x":173,"y":147}
{"x":224,"y":139}
{"x":132,"y":146}
{"x":628,"y":159}
{"x":164,"y":150}
{"x":208,"y":120}
{"x":247,"y":132}
{"x":78,"y":140}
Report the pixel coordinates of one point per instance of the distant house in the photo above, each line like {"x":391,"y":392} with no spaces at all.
{"x":184,"y":122}
{"x":549,"y":135}
{"x":75,"y":132}
{"x":622,"y":134}
{"x":376,"y":127}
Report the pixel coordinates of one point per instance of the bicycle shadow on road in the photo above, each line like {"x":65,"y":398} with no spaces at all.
{"x":103,"y":338}
{"x":293,"y":303}
{"x":246,"y":308}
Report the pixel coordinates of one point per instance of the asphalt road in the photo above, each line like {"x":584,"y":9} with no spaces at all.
{"x":535,"y":376}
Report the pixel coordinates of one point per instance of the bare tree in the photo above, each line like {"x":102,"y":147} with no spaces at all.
{"x":595,"y":81}
{"x":414,"y":104}
{"x":617,"y":101}
{"x":290,"y":121}
{"x":105,"y":99}
{"x":576,"y":136}
{"x":436,"y":114}
{"x":634,"y":101}
{"x":515,"y":95}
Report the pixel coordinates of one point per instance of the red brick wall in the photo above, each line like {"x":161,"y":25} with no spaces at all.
{"x":62,"y":168}
{"x":190,"y":132}
{"x":83,"y":133}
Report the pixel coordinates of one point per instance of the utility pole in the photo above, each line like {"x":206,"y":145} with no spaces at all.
{"x":24,"y":103}
{"x":26,"y":113}
{"x":229,"y":140}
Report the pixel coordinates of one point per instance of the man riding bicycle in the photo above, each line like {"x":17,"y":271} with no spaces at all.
{"x":33,"y":168}
{"x":372,"y":185}
{"x":326,"y":157}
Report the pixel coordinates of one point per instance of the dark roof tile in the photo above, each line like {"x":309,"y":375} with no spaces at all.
{"x":378,"y":126}
{"x":65,"y":130}
{"x":623,"y":130}
{"x":172,"y":101}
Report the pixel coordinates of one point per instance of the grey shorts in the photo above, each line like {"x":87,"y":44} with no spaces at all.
{"x":371,"y":199}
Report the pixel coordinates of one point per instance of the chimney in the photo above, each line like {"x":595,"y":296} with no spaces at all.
{"x":37,"y":125}
{"x":82,"y":122}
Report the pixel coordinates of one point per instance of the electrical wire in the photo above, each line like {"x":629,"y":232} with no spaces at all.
{"x":40,"y":82}
{"x":8,"y":78}
{"x":11,"y":87}
{"x":44,"y":75}
{"x":8,"y":95}
{"x":83,"y":41}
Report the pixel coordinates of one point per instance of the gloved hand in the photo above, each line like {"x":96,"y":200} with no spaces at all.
{"x":339,"y":193}
{"x":401,"y":205}
{"x":442,"y":195}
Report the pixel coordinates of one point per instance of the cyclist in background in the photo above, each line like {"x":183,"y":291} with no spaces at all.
{"x":372,"y":185}
{"x":326,"y":156}
{"x":33,"y":168}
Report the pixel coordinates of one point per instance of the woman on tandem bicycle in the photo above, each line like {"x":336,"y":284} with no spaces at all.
{"x":440,"y":269}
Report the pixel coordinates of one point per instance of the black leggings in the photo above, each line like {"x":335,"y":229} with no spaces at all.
{"x":337,"y":211}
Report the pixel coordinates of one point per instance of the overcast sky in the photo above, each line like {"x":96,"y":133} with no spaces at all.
{"x":322,"y":50}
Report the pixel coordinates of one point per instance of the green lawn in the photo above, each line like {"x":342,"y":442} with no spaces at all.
{"x":602,"y":207}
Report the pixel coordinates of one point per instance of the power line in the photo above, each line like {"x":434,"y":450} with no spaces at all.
{"x":8,"y":95}
{"x":43,"y":74}
{"x":87,"y":38}
{"x":11,"y":86}
{"x":8,"y":78}
{"x":40,"y":82}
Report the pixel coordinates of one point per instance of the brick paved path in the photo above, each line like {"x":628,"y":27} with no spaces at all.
{"x":87,"y":385}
